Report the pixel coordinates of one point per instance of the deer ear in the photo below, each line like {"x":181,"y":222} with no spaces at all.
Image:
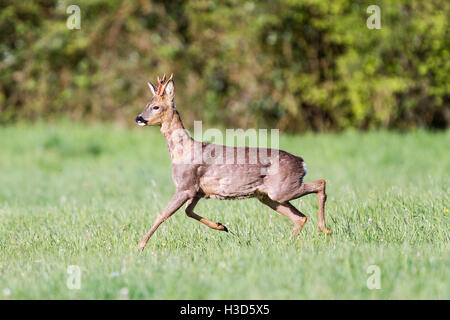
{"x":152,"y":88}
{"x":169,"y":90}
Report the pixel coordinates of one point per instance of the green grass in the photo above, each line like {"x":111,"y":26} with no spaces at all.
{"x":77,"y":195}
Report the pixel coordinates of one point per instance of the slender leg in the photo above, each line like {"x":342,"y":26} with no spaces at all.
{"x":319,"y":188}
{"x":175,"y":203}
{"x":190,"y":205}
{"x":297,"y":218}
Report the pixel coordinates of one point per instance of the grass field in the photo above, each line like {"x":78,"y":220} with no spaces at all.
{"x":84,"y":196}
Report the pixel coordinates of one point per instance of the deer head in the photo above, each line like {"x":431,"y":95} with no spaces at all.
{"x":161,"y":107}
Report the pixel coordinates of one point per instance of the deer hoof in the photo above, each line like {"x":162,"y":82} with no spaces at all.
{"x":326,"y":231}
{"x":223,"y":227}
{"x":140,"y":246}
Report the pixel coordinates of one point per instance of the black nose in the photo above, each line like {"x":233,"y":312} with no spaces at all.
{"x":139,"y":120}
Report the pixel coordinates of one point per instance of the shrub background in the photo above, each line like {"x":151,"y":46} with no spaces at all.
{"x":295,"y":65}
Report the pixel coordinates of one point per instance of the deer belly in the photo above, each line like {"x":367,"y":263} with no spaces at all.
{"x":234,"y":183}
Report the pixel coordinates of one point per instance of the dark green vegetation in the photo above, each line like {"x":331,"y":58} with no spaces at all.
{"x":296,"y":65}
{"x":76,"y":195}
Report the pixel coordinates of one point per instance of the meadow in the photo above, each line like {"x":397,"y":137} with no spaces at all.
{"x":72,"y":194}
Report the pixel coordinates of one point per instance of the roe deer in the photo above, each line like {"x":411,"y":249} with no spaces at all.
{"x":274,"y":182}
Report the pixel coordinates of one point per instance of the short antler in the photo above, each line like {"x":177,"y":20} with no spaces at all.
{"x":165,"y":85}
{"x":162,"y":84}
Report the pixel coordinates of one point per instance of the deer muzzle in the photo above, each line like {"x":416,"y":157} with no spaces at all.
{"x":141,"y":121}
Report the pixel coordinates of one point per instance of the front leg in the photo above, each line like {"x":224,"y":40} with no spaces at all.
{"x":190,"y":205}
{"x":175,"y":203}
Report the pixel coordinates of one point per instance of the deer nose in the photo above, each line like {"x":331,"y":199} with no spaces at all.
{"x":141,"y":121}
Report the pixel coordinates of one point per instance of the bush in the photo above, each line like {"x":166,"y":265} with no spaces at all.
{"x":309,"y":65}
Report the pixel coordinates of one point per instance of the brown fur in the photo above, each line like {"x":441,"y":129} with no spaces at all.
{"x":274,"y":180}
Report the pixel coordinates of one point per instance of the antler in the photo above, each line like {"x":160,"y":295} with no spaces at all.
{"x":159,"y":91}
{"x":165,"y":85}
{"x":162,"y":84}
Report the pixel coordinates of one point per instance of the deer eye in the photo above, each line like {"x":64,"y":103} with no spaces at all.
{"x":155,"y":108}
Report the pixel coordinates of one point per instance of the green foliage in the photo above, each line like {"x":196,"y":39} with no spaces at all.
{"x":61,"y":205}
{"x":297,"y":65}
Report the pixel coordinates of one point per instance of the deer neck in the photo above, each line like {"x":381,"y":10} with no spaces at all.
{"x":177,"y":138}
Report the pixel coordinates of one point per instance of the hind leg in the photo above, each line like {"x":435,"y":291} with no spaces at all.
{"x":297,"y":218}
{"x":319,"y":188}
